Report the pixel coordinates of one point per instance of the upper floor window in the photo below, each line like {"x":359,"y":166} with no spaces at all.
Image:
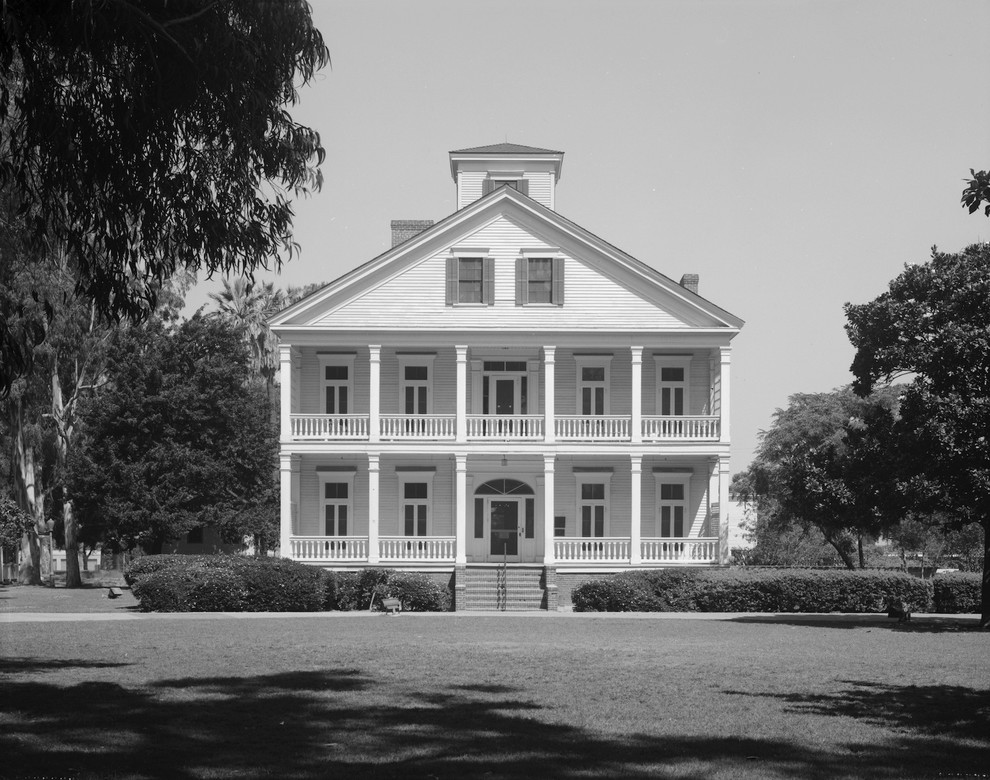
{"x":539,"y":280}
{"x":470,"y":280}
{"x":593,"y":384}
{"x":416,"y":384}
{"x":338,"y":381}
{"x":516,"y":182}
{"x":672,"y":385}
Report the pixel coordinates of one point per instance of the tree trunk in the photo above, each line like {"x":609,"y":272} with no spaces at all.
{"x":985,"y":609}
{"x":62,"y":415}
{"x":842,"y":550}
{"x":31,"y":499}
{"x":73,"y":579}
{"x":859,"y":544}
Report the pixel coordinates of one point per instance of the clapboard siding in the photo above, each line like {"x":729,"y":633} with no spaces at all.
{"x":471,"y":187}
{"x":415,"y":299}
{"x":697,"y":497}
{"x":311,"y":503}
{"x":391,"y":518}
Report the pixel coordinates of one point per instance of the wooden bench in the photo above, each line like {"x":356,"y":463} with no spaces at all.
{"x":392,"y":605}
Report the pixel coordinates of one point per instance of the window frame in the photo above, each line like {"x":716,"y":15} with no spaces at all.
{"x":453,"y":283}
{"x":557,"y":265}
{"x":414,"y":361}
{"x":328,"y":359}
{"x":673,"y":361}
{"x":592,"y":361}
{"x":337,"y":477}
{"x":415,"y":475}
{"x":593,"y":477}
{"x":515,"y":179}
{"x":683,"y":479}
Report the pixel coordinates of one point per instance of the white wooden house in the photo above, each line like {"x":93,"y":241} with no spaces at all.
{"x":504,"y":386}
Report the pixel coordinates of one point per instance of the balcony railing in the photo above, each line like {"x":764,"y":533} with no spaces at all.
{"x":600,"y":548}
{"x":417,"y":548}
{"x":329,"y":548}
{"x":694,"y":428}
{"x":483,"y":427}
{"x":600,"y":428}
{"x":432,"y":427}
{"x":697,"y":550}
{"x":505,"y":427}
{"x":329,"y":426}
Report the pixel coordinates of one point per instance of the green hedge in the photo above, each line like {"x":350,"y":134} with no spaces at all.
{"x":222,"y":583}
{"x":350,"y":591}
{"x":742,"y":590}
{"x":958,"y":593}
{"x":228,"y":583}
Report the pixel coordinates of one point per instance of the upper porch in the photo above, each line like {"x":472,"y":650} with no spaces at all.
{"x":487,"y":394}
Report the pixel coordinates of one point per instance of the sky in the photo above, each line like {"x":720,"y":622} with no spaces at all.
{"x":796,"y":155}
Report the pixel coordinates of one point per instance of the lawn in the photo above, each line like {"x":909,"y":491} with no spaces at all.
{"x":552,"y":696}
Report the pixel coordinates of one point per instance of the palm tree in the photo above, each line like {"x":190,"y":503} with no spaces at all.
{"x":249,"y":305}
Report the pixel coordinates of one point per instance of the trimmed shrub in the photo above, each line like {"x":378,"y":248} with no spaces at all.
{"x":148,"y":564}
{"x":417,"y":592}
{"x":222,"y":583}
{"x":960,"y":593}
{"x":340,"y":590}
{"x":741,"y":590}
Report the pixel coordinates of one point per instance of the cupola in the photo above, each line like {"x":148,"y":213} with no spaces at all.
{"x":483,"y":169}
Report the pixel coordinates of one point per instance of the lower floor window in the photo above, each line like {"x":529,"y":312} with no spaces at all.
{"x":593,"y":509}
{"x":673,"y":510}
{"x":415,"y":508}
{"x":336,"y":497}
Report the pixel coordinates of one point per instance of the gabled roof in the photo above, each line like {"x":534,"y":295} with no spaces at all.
{"x":504,"y":148}
{"x":433,"y":239}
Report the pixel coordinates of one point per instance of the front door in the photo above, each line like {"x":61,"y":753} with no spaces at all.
{"x":504,"y":528}
{"x":505,"y":396}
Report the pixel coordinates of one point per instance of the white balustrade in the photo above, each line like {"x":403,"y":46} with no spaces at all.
{"x":418,"y":426}
{"x":416,"y":548}
{"x":600,"y":548}
{"x":329,"y":426}
{"x":698,"y":550}
{"x":694,"y":428}
{"x":505,"y":427}
{"x":592,"y":428}
{"x":329,"y":548}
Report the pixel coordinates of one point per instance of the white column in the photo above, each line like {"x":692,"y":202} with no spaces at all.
{"x":285,"y":391}
{"x":548,"y":509}
{"x":637,"y":394}
{"x":549,"y":426}
{"x":373,"y":506}
{"x":713,"y":488}
{"x":635,"y":509}
{"x":460,"y":509}
{"x":726,"y":356}
{"x":724,"y":478}
{"x":285,"y":505}
{"x":374,"y":392}
{"x":461,"y":422}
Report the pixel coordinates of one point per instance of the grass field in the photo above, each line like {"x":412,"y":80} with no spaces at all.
{"x":552,"y":696}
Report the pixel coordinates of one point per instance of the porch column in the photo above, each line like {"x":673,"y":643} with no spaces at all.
{"x":374,"y":392}
{"x":460,"y":509}
{"x":548,"y":509}
{"x":713,"y":489}
{"x":724,"y":477}
{"x":461,"y":421}
{"x":285,"y":505}
{"x":285,"y":391}
{"x":373,"y":506}
{"x":549,"y":426}
{"x":637,"y":395}
{"x":723,"y":428}
{"x":635,"y":509}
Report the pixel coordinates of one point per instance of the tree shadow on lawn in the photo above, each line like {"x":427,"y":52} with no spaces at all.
{"x":948,"y":710}
{"x":918,"y":624}
{"x":345,"y":723}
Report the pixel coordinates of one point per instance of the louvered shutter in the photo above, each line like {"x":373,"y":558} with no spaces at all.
{"x":522,"y":267}
{"x":488,"y":281}
{"x":557,"y":292}
{"x":451,"y":281}
{"x":523,"y":186}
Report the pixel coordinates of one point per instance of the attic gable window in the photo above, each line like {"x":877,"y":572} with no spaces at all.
{"x":517,"y":183}
{"x":540,"y":280}
{"x":470,"y":280}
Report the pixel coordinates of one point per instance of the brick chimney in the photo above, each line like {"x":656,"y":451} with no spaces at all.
{"x":404,"y":229}
{"x":689,"y":282}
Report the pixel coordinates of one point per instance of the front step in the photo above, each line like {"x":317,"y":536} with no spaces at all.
{"x":493,"y":589}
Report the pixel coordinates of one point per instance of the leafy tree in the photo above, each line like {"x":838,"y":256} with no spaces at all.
{"x":817,"y":469}
{"x":249,"y":306}
{"x":934,"y":323}
{"x":180,"y":437}
{"x":143,"y":137}
{"x":977,"y":192}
